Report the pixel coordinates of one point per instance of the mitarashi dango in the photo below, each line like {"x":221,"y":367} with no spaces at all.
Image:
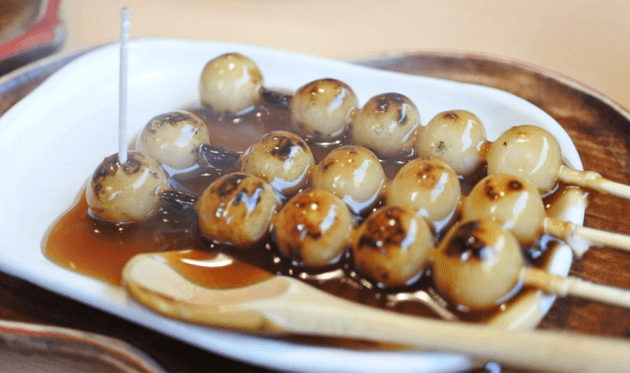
{"x":128,"y":192}
{"x":281,"y":158}
{"x":353,"y":173}
{"x":237,"y":210}
{"x":391,"y":246}
{"x":174,"y":139}
{"x":230,"y":84}
{"x":387,"y":124}
{"x":313,"y":228}
{"x":323,"y":109}
{"x":455,"y":137}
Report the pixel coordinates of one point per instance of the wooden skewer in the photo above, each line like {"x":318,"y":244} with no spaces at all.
{"x":506,"y":155}
{"x":564,"y":286}
{"x":283,"y":305}
{"x":581,"y":238}
{"x":460,"y":278}
{"x":593,"y":180}
{"x":122,"y":87}
{"x":523,"y":213}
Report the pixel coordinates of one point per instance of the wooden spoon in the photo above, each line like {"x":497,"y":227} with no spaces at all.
{"x":282,"y":305}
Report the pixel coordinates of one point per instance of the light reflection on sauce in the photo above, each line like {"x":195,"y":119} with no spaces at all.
{"x":214,"y":270}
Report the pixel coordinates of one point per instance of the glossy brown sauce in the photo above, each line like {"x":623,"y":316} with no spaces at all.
{"x":88,"y":246}
{"x":91,"y":247}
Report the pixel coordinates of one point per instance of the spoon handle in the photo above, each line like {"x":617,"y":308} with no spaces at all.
{"x":593,"y":180}
{"x":312,"y":312}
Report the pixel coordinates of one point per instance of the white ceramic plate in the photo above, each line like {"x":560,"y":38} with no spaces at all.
{"x":53,"y":139}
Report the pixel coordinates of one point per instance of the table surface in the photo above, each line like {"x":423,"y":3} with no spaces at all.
{"x":567,"y":37}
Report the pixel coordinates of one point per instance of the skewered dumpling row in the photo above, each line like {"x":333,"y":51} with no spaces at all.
{"x":343,"y":204}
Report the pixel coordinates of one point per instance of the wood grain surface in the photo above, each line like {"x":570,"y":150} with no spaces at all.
{"x":599,"y":128}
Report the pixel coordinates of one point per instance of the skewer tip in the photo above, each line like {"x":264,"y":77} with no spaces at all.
{"x":122,"y":119}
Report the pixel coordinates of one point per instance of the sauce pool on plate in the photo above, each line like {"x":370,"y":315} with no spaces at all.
{"x":100,"y":250}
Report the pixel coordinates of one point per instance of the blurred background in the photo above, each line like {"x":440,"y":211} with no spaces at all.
{"x":586,"y":40}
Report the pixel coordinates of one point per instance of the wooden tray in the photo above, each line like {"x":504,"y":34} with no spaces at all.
{"x":29,"y":30}
{"x":599,"y":127}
